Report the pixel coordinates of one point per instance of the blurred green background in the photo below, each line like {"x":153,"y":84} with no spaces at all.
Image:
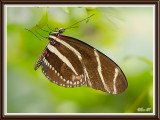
{"x":125,"y":34}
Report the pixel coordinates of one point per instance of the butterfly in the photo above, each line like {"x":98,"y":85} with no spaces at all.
{"x":69,"y":62}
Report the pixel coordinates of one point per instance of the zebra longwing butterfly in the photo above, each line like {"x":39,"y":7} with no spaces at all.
{"x":69,"y":62}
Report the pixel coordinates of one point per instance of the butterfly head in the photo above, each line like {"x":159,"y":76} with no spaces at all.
{"x":61,"y":30}
{"x":57,"y":32}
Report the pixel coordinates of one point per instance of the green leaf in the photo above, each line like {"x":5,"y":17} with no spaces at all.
{"x":150,"y":95}
{"x":42,"y":22}
{"x":141,"y":59}
{"x":139,"y":99}
{"x":65,"y":9}
{"x":93,"y":11}
{"x":146,"y":61}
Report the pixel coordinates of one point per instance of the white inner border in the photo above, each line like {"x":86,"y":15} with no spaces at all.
{"x":73,"y":5}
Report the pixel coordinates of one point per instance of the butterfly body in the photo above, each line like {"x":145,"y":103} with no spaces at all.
{"x":69,"y":62}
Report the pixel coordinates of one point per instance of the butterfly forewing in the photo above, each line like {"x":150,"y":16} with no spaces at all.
{"x":101,"y":72}
{"x":113,"y":75}
{"x":62,"y":66}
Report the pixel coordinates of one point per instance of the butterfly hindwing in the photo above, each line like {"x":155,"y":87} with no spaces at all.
{"x":62,"y":67}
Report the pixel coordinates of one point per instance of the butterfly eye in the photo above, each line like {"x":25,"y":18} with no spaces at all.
{"x":50,"y":39}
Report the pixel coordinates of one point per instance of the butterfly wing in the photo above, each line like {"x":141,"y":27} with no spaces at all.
{"x":61,"y":66}
{"x":100,"y":71}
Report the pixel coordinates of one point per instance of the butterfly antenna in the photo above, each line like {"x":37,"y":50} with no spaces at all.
{"x":42,"y":29}
{"x":49,"y":28}
{"x":72,"y":27}
{"x":40,"y":34}
{"x":36,"y":35}
{"x":79,"y":22}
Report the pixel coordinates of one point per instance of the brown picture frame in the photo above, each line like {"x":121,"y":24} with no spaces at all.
{"x":157,"y":60}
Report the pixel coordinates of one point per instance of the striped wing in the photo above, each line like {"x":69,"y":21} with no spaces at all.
{"x":61,"y":66}
{"x":100,"y":71}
